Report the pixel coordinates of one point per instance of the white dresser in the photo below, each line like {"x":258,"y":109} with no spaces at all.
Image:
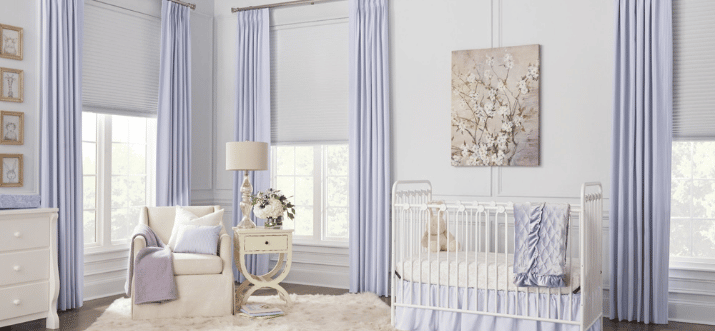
{"x":29,"y":280}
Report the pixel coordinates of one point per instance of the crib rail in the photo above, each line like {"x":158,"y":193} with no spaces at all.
{"x":485,"y":232}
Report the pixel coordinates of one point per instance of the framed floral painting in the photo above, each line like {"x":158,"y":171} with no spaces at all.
{"x":495,"y":107}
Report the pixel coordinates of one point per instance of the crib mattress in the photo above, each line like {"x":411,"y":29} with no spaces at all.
{"x":464,"y":270}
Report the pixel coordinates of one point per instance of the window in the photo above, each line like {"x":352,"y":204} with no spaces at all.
{"x":692,"y":233}
{"x":315,"y":176}
{"x":118,"y":162}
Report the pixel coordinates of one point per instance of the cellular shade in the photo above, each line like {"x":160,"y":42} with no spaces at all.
{"x":693,"y":70}
{"x":120,"y":71}
{"x":309,"y":82}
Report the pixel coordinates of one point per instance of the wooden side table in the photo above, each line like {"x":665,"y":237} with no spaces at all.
{"x":262,"y":241}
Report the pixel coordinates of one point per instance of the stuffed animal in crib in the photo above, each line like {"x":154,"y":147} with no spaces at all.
{"x":436,"y":237}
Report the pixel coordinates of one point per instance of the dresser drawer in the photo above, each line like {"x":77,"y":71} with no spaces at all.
{"x":265,"y":243}
{"x":24,"y":267}
{"x":23,"y":300}
{"x":24,"y":233}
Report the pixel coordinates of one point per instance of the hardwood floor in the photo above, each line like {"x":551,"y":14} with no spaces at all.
{"x":82,"y":318}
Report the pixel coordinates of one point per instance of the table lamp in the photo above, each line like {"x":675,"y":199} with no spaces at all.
{"x":246,"y":156}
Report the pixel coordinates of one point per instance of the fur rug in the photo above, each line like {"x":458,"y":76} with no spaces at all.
{"x":364,"y":311}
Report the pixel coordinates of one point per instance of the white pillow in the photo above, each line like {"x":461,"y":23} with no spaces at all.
{"x":185,"y":217}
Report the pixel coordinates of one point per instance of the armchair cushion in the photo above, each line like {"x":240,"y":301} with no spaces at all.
{"x":197,"y":239}
{"x":185,"y":217}
{"x":197,"y":264}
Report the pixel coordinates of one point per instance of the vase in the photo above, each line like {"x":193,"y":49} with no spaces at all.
{"x":274,"y":223}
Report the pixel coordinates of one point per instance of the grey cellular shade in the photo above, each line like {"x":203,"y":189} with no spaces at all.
{"x":309,"y":82}
{"x":694,"y":70}
{"x":120,"y":70}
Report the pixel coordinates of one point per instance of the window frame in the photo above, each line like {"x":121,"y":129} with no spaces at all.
{"x":319,"y":236}
{"x":103,"y":184}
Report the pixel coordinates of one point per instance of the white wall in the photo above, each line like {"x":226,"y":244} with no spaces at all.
{"x":105,"y":272}
{"x":25,"y":14}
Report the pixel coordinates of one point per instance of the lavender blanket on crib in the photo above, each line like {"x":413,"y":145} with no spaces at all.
{"x":540,"y":238}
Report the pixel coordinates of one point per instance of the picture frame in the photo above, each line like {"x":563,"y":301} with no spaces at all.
{"x":11,"y":170}
{"x":11,"y":42}
{"x":12,"y":127}
{"x":12,"y":85}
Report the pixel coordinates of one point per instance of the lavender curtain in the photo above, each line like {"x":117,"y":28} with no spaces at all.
{"x":61,"y":138}
{"x":253,"y":111}
{"x":640,"y":191}
{"x":173,"y":144}
{"x":369,"y":132}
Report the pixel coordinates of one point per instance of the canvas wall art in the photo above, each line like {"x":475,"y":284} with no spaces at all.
{"x":11,"y":85}
{"x":11,"y":170}
{"x":495,"y":106}
{"x":10,"y":42}
{"x":12,"y":127}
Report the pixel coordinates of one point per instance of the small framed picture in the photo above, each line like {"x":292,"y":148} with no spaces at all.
{"x":10,"y":42}
{"x":12,"y":127}
{"x":11,"y":170}
{"x":11,"y":85}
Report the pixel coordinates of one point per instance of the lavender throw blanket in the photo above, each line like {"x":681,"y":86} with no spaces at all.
{"x":540,"y":237}
{"x":19,"y":201}
{"x":153,"y":270}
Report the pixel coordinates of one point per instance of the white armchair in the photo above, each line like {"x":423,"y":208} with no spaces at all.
{"x":204,"y":282}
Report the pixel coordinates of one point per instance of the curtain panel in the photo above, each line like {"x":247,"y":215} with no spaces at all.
{"x":173,"y":144}
{"x":640,"y":179}
{"x":253,"y":111}
{"x":369,"y":135}
{"x":61,"y":138}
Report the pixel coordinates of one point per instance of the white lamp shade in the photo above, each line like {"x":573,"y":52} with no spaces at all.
{"x":246,"y":155}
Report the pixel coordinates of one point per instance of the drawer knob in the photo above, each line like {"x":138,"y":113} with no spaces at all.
{"x":16,"y":302}
{"x":17,"y":234}
{"x":266,"y":242}
{"x":16,"y":268}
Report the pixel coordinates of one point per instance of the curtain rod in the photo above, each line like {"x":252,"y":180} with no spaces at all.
{"x":280,"y":4}
{"x":190,"y":5}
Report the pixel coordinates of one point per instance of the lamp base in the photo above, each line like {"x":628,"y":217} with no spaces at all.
{"x":246,"y":190}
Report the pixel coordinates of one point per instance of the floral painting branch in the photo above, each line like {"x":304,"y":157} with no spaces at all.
{"x":495,"y":107}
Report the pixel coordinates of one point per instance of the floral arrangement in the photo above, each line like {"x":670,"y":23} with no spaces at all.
{"x":493,"y":99}
{"x":271,"y":204}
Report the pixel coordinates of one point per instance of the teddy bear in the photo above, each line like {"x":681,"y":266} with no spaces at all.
{"x":436,"y":237}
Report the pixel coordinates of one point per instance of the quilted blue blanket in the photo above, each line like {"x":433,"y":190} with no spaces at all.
{"x":540,"y":237}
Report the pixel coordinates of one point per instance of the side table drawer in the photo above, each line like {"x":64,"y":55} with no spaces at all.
{"x":24,"y":267}
{"x":23,"y":300}
{"x":265,"y":244}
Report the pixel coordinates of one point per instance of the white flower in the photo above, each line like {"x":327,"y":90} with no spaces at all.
{"x":489,"y":108}
{"x":523,"y":88}
{"x":480,"y":112}
{"x":487,"y":74}
{"x":506,"y":126}
{"x":533,"y":73}
{"x":502,"y":139}
{"x":465,"y":150}
{"x":518,"y":120}
{"x":471,"y":78}
{"x":474,"y":95}
{"x":472,"y":160}
{"x":503,"y":110}
{"x":490,"y":60}
{"x":501,"y":86}
{"x":462,"y":126}
{"x":508,"y":61}
{"x":499,"y":160}
{"x":492,"y":94}
{"x":488,"y":140}
{"x":273,"y":209}
{"x":483,"y":153}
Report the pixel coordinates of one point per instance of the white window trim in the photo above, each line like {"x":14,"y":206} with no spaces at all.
{"x":319,"y":237}
{"x":103,"y":182}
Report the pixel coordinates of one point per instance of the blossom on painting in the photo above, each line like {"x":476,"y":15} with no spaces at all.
{"x":508,"y":61}
{"x":523,"y":87}
{"x":533,"y":72}
{"x":471,"y":78}
{"x":506,"y":126}
{"x":488,"y":139}
{"x":502,"y":139}
{"x":518,"y":119}
{"x":490,"y":60}
{"x":492,"y":94}
{"x":503,"y":110}
{"x":487,"y":74}
{"x":501,"y":86}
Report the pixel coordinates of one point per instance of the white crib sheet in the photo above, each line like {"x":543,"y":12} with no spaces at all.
{"x":444,"y":271}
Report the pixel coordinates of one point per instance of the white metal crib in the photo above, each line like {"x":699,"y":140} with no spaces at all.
{"x":485,"y":232}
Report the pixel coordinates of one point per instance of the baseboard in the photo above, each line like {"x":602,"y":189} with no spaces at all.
{"x":103,"y":288}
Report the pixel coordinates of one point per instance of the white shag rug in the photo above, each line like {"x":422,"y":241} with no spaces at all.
{"x":364,"y":311}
